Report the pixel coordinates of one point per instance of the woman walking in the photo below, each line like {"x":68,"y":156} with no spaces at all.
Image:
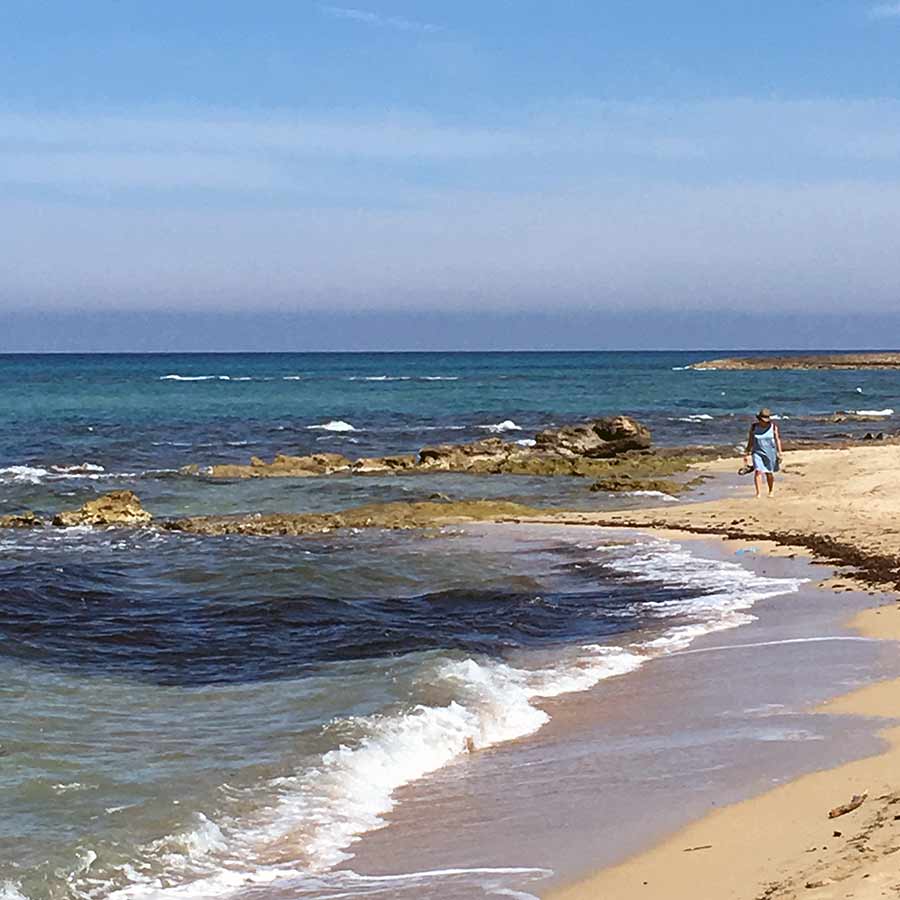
{"x":764,"y":443}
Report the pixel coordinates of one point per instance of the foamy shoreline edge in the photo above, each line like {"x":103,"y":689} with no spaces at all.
{"x":781,"y":843}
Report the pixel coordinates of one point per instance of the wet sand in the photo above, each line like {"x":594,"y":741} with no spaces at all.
{"x":638,"y":757}
{"x":838,"y":505}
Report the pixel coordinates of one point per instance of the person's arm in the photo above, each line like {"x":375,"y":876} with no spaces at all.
{"x":749,"y":447}
{"x":778,"y":441}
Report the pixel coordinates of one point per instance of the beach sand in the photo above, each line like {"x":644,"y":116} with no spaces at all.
{"x":842,"y":506}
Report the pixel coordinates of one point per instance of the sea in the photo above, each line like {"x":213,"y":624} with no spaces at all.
{"x":460,"y":712}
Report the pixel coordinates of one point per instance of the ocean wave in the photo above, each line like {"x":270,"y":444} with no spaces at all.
{"x":402,"y":378}
{"x":320,"y":811}
{"x":501,"y":427}
{"x":527,"y":442}
{"x":337,"y":425}
{"x":37,"y":474}
{"x":210,"y":378}
{"x":694,"y":417}
{"x":874,"y":413}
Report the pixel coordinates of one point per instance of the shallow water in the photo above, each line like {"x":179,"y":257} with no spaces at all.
{"x":189,"y":716}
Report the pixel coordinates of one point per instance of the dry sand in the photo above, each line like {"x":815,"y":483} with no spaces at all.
{"x":842,"y":506}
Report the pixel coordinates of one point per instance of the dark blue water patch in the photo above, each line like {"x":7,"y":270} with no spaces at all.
{"x":236,"y":612}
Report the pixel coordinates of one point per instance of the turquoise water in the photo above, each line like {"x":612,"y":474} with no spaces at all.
{"x":129,"y":412}
{"x":193,"y":717}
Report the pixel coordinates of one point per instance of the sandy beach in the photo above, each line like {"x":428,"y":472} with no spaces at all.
{"x":840,"y":506}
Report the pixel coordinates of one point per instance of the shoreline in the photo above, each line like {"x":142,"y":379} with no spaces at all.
{"x":781,"y":843}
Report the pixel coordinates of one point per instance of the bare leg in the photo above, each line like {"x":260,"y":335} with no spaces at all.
{"x":770,"y":480}
{"x":757,"y":481}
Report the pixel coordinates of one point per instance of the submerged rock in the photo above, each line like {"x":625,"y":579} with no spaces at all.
{"x":21,"y":520}
{"x":621,"y":484}
{"x":116,"y":508}
{"x":376,"y":515}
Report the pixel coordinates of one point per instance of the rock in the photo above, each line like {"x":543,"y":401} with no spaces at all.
{"x":484,"y":455}
{"x":21,"y":520}
{"x":368,"y":465}
{"x":871,"y":360}
{"x":282,"y":466}
{"x":377,"y":515}
{"x":600,"y":439}
{"x":116,"y":508}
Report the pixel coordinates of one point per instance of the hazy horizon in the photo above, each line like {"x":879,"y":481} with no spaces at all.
{"x":509,"y":163}
{"x":461,"y":331}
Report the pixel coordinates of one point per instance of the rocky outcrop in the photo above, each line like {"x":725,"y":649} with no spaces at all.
{"x":376,"y":515}
{"x":805,"y":361}
{"x":121,"y":508}
{"x":21,"y":520}
{"x":570,"y":450}
{"x":599,"y":439}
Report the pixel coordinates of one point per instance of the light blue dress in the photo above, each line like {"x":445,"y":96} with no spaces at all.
{"x":765,"y":450}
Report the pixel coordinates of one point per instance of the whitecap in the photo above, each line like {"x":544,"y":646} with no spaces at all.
{"x":527,"y":442}
{"x":349,"y":790}
{"x":500,"y":427}
{"x":333,"y":425}
{"x":659,"y":495}
{"x":695,"y":417}
{"x":188,"y":377}
{"x":26,"y":474}
{"x":874,"y":413}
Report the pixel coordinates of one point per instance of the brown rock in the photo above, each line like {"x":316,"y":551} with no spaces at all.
{"x":599,"y":439}
{"x":21,"y":520}
{"x":116,"y":508}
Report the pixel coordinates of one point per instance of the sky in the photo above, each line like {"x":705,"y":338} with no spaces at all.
{"x":392,"y":173}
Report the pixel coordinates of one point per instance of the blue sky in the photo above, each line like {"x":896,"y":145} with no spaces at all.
{"x":502,"y":155}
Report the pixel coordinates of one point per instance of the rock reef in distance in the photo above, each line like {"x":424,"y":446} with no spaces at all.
{"x":569,"y":450}
{"x":810,"y":361}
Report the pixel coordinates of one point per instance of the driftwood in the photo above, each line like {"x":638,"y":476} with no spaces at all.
{"x":855,"y":803}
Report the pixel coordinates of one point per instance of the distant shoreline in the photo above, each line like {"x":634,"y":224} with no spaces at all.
{"x":879,"y":360}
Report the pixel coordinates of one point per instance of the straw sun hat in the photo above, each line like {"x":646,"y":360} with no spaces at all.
{"x":764,"y":414}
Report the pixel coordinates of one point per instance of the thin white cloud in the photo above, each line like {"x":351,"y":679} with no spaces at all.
{"x":885,"y":11}
{"x":370,"y":18}
{"x":395,"y":157}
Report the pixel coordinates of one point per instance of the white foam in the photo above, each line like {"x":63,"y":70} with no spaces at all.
{"x":334,"y":425}
{"x":10,"y":891}
{"x":37,"y":474}
{"x":403,"y":378}
{"x":500,"y":427}
{"x":188,"y":377}
{"x":325,"y":808}
{"x":659,"y":495}
{"x":27,"y":474}
{"x":695,"y":417}
{"x":78,"y":469}
{"x":874,"y":413}
{"x":527,"y":442}
{"x":292,"y":378}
